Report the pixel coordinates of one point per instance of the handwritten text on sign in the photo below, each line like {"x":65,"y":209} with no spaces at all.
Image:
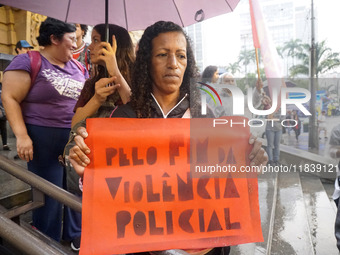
{"x":139,"y":193}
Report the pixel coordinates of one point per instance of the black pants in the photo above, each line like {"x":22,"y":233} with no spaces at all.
{"x":3,"y":130}
{"x":297,"y":133}
{"x":337,"y":219}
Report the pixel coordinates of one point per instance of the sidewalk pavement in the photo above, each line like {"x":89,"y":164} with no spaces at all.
{"x":302,"y":143}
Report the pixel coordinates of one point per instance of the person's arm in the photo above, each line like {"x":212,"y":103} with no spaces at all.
{"x":108,"y":55}
{"x":102,"y":91}
{"x":257,"y":156}
{"x":104,"y":87}
{"x":78,"y":153}
{"x":15,"y":86}
{"x":259,"y":97}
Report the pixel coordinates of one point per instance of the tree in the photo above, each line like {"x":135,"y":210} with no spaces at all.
{"x":279,"y":51}
{"x":246,"y":57}
{"x":250,"y":80}
{"x":325,"y":59}
{"x":233,"y":68}
{"x":291,"y":47}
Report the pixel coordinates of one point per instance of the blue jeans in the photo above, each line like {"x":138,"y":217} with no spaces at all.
{"x":48,"y":144}
{"x":273,"y":144}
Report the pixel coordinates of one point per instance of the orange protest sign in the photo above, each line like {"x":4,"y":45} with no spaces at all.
{"x":141,"y":192}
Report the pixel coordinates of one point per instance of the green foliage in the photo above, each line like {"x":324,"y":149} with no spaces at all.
{"x":279,"y":51}
{"x":246,"y":57}
{"x":249,"y":81}
{"x":291,"y":47}
{"x":301,"y":82}
{"x":233,"y":68}
{"x":325,"y":59}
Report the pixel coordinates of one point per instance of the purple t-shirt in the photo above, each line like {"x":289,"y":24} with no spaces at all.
{"x":52,"y":97}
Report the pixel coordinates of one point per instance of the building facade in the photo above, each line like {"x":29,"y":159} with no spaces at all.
{"x":285,"y":20}
{"x":15,"y":25}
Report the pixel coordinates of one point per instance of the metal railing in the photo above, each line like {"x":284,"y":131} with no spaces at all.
{"x":23,"y":239}
{"x":41,"y":184}
{"x":16,"y":235}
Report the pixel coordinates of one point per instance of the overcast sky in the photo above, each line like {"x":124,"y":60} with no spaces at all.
{"x":223,"y":40}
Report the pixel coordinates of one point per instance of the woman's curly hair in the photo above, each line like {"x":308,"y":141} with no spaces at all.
{"x":141,"y":84}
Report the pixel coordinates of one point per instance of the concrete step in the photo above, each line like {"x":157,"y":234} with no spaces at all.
{"x":328,"y":185}
{"x":9,"y":184}
{"x":13,"y":192}
{"x":321,"y":215}
{"x":291,"y":228}
{"x":17,"y":199}
{"x":267,"y":200}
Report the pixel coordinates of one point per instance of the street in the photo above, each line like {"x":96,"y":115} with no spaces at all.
{"x":303,"y":138}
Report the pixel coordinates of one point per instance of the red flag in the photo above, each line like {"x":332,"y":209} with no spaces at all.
{"x":263,"y":41}
{"x":253,"y":27}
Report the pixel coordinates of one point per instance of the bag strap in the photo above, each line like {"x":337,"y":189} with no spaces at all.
{"x":35,"y":59}
{"x":79,"y":65}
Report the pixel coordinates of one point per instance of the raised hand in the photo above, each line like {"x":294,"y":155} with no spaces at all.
{"x":108,"y":56}
{"x":105,"y":87}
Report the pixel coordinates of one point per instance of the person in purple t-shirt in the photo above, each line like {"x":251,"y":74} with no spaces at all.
{"x":40,"y":114}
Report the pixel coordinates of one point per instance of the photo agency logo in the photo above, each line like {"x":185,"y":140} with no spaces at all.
{"x":211,"y":95}
{"x":214,"y":97}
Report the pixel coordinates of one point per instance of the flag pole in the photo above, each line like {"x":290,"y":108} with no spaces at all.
{"x":257,"y":63}
{"x":255,"y":38}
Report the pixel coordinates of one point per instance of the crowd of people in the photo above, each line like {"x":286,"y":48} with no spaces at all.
{"x":47,"y":107}
{"x":75,"y":81}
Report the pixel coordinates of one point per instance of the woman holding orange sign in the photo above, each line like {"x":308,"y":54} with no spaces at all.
{"x":161,"y":89}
